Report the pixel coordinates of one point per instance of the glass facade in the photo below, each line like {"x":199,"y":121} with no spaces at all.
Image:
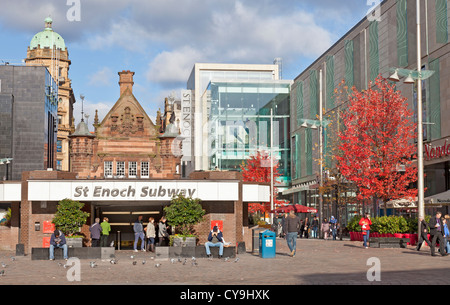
{"x":51,"y":122}
{"x":239,"y":123}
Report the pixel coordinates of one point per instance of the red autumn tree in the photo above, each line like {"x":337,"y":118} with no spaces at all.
{"x":257,"y":169}
{"x":377,"y":143}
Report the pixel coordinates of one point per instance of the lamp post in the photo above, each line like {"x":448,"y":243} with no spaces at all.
{"x":418,"y":75}
{"x":6,"y":161}
{"x":318,"y":124}
{"x":271,"y":165}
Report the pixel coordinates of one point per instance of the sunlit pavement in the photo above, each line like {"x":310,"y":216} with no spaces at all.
{"x":316,"y":262}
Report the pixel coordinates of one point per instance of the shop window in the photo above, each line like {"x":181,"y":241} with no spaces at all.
{"x":108,"y":169}
{"x":144,"y":170}
{"x":132,"y":169}
{"x":120,"y":168}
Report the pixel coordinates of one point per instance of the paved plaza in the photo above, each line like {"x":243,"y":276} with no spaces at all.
{"x":317,"y":262}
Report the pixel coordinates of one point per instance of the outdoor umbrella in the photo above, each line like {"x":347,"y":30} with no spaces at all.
{"x":303,"y":209}
{"x":284,"y":209}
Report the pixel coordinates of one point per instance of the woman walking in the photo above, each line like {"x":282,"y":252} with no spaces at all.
{"x":365,"y":223}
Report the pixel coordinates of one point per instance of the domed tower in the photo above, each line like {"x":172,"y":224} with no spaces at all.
{"x":47,"y":48}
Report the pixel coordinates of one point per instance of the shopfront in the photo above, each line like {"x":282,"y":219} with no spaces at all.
{"x":223,"y":195}
{"x":437,"y":175}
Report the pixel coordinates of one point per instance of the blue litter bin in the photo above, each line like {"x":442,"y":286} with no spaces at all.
{"x":267,"y":244}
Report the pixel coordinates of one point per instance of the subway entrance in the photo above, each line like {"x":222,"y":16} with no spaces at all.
{"x":122,"y":215}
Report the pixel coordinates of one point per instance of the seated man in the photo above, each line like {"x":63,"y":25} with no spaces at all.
{"x":215,"y":239}
{"x":58,"y":240}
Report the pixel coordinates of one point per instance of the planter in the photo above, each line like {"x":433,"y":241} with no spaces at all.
{"x":74,"y":242}
{"x":185,"y":241}
{"x":413,"y":238}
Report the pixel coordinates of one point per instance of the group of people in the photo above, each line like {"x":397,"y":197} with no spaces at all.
{"x":99,"y":237}
{"x":437,"y":228}
{"x":439,"y":233}
{"x":149,"y":233}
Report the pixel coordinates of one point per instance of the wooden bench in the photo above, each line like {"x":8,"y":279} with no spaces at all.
{"x":388,"y":242}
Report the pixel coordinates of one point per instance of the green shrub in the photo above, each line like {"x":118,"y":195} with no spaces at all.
{"x":69,"y":217}
{"x":183,"y":213}
{"x":387,"y":224}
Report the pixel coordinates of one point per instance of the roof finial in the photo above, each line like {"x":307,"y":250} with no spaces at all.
{"x":82,"y":102}
{"x":48,"y":22}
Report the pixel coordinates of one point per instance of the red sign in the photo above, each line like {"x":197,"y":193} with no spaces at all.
{"x":433,"y":152}
{"x":46,"y":242}
{"x":48,"y":227}
{"x":218,"y":223}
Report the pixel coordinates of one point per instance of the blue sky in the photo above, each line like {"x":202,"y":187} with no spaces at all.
{"x":160,"y":40}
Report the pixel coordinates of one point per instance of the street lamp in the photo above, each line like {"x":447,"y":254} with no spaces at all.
{"x":6,"y":161}
{"x":318,"y":124}
{"x":411,"y":76}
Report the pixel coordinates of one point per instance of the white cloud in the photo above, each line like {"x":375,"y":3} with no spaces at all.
{"x":173,"y":66}
{"x":102,"y":77}
{"x":89,"y":108}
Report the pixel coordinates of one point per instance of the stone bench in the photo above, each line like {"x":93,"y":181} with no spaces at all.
{"x":388,"y":242}
{"x":81,"y":253}
{"x":188,"y":252}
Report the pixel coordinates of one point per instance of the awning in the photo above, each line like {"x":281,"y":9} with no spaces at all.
{"x":298,"y":208}
{"x":400,"y":204}
{"x":443,"y":197}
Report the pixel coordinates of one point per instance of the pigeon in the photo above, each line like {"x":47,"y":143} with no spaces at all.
{"x":143,"y":262}
{"x":59,"y":264}
{"x":92,"y":264}
{"x":132,"y":256}
{"x":184,"y":262}
{"x":194,"y":263}
{"x":113,"y":261}
{"x":179,"y":259}
{"x":111,"y":244}
{"x":236,"y":260}
{"x":172,"y":260}
{"x":193,"y":258}
{"x":2,"y":273}
{"x":66,"y":266}
{"x":3,"y":265}
{"x":134,"y":263}
{"x":227,"y":259}
{"x":13,"y":258}
{"x":157,"y":265}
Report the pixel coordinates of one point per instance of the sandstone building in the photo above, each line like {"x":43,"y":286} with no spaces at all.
{"x":126,"y":143}
{"x":47,"y":48}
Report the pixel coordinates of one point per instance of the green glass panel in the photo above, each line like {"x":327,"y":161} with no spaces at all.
{"x":330,"y":82}
{"x":349,"y":77}
{"x":435,"y":101}
{"x":313,"y":95}
{"x":441,"y":21}
{"x":373,"y":50}
{"x":299,"y":93}
{"x":308,"y":151}
{"x":402,"y":33}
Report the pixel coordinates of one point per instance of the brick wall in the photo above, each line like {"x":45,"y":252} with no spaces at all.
{"x":8,"y":237}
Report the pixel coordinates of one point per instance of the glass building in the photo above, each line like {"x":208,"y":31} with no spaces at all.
{"x":239,"y":123}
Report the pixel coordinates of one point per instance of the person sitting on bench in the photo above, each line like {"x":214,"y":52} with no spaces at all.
{"x":215,"y":239}
{"x":58,"y":240}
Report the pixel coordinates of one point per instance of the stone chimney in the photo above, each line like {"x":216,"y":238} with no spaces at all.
{"x":126,"y":81}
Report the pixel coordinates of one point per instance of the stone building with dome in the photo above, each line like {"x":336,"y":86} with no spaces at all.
{"x":126,"y":143}
{"x":47,"y":48}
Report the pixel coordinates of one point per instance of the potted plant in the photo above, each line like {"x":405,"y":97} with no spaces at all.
{"x":69,"y":218}
{"x":183,"y":213}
